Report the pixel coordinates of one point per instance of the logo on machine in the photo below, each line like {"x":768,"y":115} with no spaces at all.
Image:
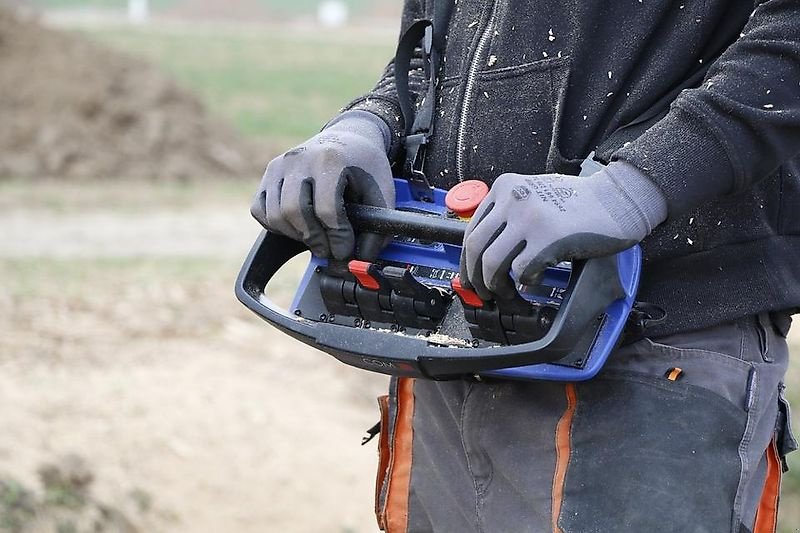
{"x":377,"y":363}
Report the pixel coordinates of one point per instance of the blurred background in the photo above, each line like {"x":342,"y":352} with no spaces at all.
{"x":137,"y":395}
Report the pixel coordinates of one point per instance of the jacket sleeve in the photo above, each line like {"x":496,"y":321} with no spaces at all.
{"x":739,"y":126}
{"x":382,"y":99}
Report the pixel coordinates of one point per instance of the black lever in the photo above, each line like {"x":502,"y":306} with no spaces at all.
{"x":421,"y":226}
{"x":412,"y":302}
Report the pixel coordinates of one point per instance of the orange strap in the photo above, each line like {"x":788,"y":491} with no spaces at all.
{"x":767,"y":514}
{"x":383,"y":459}
{"x":395,"y":514}
{"x":563,"y":451}
{"x":674,"y":373}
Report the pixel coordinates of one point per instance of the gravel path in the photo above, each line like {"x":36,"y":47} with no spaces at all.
{"x":223,"y":232}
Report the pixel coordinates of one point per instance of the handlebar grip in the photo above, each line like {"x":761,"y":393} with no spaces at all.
{"x":407,"y":223}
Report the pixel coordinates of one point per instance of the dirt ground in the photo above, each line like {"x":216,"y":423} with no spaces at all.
{"x":121,"y":342}
{"x":137,"y":395}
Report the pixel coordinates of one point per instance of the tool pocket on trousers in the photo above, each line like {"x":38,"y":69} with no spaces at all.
{"x":394,"y":464}
{"x":784,"y":435}
{"x":656,"y":441}
{"x":510,"y":122}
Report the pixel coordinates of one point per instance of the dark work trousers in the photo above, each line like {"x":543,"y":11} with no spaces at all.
{"x":684,"y":433}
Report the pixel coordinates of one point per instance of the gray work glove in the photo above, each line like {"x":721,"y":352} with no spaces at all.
{"x":528,"y":223}
{"x":303,"y":192}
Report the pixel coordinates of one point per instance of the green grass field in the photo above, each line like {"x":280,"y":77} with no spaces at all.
{"x":276,"y":85}
{"x":279,"y":86}
{"x":276,"y":7}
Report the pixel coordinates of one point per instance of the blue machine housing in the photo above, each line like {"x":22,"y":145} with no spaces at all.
{"x":590,"y":300}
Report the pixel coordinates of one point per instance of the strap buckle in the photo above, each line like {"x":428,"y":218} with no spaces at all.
{"x":643,"y":315}
{"x":418,"y":122}
{"x":416,"y":145}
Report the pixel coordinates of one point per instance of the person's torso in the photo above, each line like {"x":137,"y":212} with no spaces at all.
{"x":534,"y":87}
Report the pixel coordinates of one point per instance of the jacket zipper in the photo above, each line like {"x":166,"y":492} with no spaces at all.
{"x":469,"y":92}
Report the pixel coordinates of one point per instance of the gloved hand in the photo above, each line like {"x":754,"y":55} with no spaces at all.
{"x":528,"y":223}
{"x":303,"y":192}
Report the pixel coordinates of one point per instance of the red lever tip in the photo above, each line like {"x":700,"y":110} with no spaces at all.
{"x":360,"y":269}
{"x":468,"y":296}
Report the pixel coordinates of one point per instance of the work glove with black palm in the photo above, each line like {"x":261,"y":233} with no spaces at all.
{"x":303,"y":192}
{"x":528,"y":223}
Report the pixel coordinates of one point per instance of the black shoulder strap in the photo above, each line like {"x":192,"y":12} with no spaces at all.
{"x":429,"y":34}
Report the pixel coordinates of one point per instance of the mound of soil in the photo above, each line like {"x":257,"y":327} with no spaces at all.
{"x":73,"y":109}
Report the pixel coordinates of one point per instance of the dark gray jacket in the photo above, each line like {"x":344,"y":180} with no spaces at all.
{"x":533,"y":87}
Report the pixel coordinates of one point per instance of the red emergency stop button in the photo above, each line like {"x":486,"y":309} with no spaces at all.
{"x":361,"y":270}
{"x":464,"y":198}
{"x":468,"y":296}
